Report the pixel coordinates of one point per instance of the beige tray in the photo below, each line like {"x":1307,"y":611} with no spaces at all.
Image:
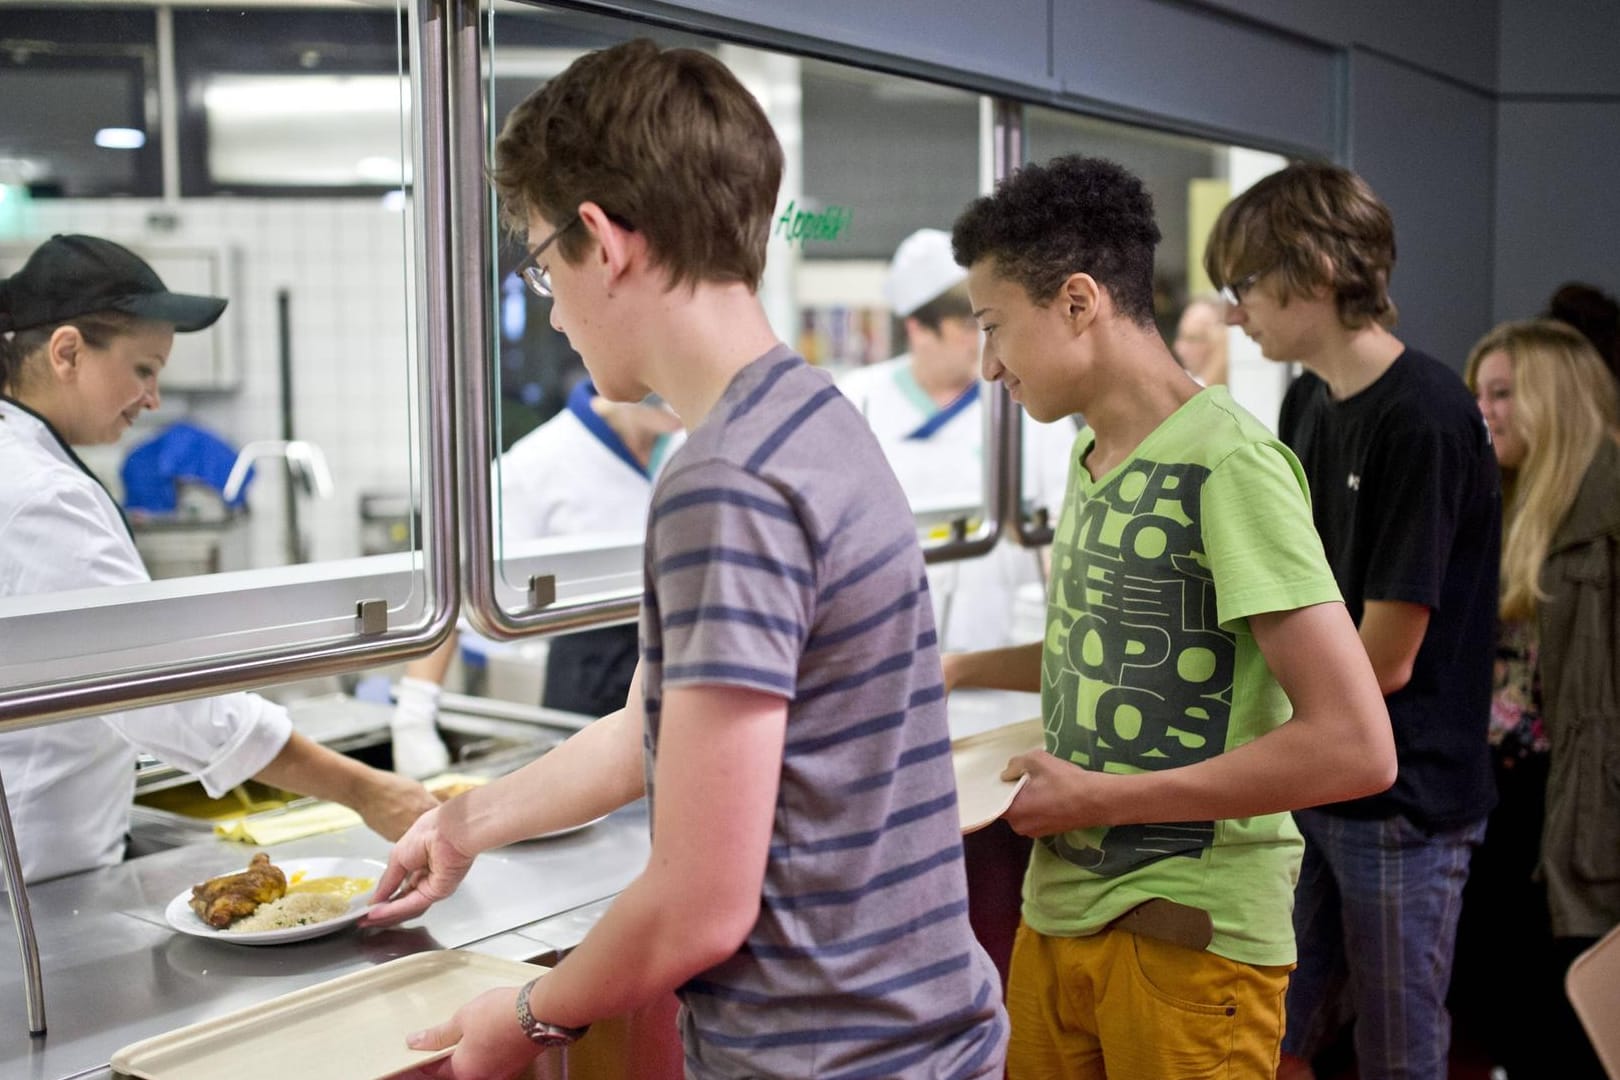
{"x":981,"y":794}
{"x":350,"y":1028}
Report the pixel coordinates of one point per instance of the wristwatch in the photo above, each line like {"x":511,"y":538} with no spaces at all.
{"x":538,"y":1031}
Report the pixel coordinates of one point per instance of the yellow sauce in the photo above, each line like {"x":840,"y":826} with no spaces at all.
{"x":345,"y":887}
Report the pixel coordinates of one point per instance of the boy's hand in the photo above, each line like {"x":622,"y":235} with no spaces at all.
{"x":423,"y":868}
{"x":1058,"y":797}
{"x":489,"y":1044}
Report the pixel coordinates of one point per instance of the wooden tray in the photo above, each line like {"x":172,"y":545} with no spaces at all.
{"x":981,"y":794}
{"x":349,"y":1028}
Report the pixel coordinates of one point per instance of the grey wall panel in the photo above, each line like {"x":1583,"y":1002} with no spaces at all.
{"x":1171,"y":60}
{"x":1557,"y":201}
{"x":1456,"y":38}
{"x":1006,"y":40}
{"x":1560,"y":47}
{"x":1426,"y":145}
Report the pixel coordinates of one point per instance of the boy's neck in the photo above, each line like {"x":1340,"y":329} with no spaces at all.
{"x":1141,"y":386}
{"x":696,"y":340}
{"x":1352,"y":360}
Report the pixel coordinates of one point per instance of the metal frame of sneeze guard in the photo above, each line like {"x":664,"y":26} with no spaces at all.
{"x":473,"y":233}
{"x":1004,"y":465}
{"x":170,"y":683}
{"x":473,"y":227}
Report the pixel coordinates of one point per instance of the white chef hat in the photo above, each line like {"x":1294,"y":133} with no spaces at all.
{"x":922,"y":269}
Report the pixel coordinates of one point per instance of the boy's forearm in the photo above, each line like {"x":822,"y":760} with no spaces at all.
{"x":1017,"y":667}
{"x":597,"y":770}
{"x":642,"y":947}
{"x":1288,"y":769}
{"x":1338,"y":745}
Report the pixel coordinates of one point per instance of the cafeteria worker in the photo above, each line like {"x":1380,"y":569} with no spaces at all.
{"x":85,"y":329}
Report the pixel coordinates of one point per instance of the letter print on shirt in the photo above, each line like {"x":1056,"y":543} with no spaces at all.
{"x":1137,"y":672}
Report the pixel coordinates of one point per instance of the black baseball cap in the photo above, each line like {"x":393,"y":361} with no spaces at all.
{"x":71,"y":275}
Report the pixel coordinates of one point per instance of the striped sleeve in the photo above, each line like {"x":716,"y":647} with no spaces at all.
{"x":735,"y":577}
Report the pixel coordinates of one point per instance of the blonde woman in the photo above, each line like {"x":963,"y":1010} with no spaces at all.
{"x":1551,"y":860}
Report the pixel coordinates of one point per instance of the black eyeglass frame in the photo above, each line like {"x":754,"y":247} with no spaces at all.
{"x":535,"y":276}
{"x":1233,"y":294}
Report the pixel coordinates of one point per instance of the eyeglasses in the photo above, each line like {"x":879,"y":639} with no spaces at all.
{"x":1233,"y":293}
{"x":535,"y":276}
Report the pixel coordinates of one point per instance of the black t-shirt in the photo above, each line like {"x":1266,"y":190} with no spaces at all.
{"x":1405,"y":492}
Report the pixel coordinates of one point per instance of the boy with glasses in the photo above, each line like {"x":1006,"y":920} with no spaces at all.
{"x":1405,"y":494}
{"x":805,"y":894}
{"x":1199,"y":675}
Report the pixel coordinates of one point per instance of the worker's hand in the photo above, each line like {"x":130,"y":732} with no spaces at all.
{"x":950,"y":663}
{"x":389,"y":804}
{"x":489,"y":1044}
{"x":418,"y":750}
{"x":423,"y":869}
{"x":1059,"y":796}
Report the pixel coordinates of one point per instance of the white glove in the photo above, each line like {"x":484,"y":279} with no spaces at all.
{"x":418,"y":751}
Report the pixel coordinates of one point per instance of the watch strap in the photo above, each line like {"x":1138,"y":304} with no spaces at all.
{"x":538,"y":1031}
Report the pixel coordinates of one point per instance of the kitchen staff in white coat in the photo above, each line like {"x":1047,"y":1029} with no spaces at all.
{"x":925,"y":408}
{"x":85,"y":330}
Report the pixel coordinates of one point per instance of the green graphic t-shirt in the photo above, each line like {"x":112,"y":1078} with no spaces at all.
{"x":1149,"y":664}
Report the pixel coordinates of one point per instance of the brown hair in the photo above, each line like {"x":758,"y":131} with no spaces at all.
{"x":953,"y":303}
{"x":1565,"y":405}
{"x":1311,"y":226}
{"x":97,"y":328}
{"x":666,"y":140}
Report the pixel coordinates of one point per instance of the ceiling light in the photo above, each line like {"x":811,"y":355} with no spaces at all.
{"x":121,"y":138}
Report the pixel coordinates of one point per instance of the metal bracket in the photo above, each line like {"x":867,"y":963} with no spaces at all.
{"x":542,"y":591}
{"x":371,"y":617}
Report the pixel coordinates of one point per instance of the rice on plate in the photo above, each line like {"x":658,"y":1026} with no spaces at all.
{"x":294,"y":909}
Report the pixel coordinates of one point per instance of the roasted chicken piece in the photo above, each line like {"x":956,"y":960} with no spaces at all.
{"x":221,"y":901}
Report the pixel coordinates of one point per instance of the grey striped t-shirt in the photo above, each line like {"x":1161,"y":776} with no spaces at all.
{"x":781,"y":556}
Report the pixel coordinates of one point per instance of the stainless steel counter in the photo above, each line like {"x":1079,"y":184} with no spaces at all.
{"x":116,"y":972}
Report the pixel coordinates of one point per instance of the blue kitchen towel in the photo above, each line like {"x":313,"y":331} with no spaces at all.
{"x":182,"y":451}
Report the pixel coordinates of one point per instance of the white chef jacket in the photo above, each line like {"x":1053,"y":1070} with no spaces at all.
{"x":70,"y":784}
{"x":574,"y":475}
{"x":937,"y":454}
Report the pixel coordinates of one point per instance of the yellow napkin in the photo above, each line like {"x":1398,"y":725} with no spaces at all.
{"x":293,"y":825}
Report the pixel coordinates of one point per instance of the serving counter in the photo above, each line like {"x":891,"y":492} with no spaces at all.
{"x":116,"y":972}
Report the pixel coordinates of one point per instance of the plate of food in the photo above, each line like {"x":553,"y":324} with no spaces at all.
{"x":271,"y":903}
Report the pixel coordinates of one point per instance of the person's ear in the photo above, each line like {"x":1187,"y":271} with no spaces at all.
{"x":64,"y":352}
{"x":618,"y":249}
{"x":1080,"y":300}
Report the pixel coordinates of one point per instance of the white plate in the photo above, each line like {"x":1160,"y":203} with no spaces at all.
{"x":183,"y":919}
{"x":570,"y":831}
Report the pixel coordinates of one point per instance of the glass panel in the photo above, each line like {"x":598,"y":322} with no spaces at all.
{"x":280,"y":464}
{"x":871,"y":159}
{"x":1190,"y":181}
{"x":77,"y":88}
